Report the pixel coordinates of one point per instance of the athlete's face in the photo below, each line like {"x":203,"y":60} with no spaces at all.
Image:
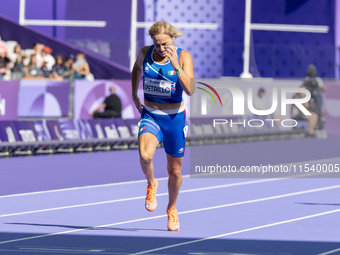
{"x":161,"y":41}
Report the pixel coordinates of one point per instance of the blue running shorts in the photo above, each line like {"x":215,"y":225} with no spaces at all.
{"x":168,"y":126}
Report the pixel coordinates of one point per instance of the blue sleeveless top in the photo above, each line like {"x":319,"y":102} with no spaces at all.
{"x":160,"y":81}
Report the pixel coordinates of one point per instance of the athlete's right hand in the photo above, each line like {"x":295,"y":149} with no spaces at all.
{"x":138,"y":105}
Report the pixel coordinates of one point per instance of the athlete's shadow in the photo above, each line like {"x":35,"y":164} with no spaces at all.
{"x":87,"y":227}
{"x":301,"y":203}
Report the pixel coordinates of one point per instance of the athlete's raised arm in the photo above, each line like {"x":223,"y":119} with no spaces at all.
{"x":184,"y":68}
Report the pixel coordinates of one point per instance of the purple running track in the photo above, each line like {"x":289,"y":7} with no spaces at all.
{"x":203,"y":213}
{"x":66,"y":215}
{"x":31,"y":174}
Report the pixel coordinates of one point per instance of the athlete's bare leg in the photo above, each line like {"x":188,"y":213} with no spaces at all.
{"x":147,"y":146}
{"x":174,"y":167}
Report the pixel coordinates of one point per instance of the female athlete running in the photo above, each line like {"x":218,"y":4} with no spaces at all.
{"x":167,"y":72}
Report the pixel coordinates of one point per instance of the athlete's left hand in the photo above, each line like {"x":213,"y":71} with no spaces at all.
{"x":171,"y":53}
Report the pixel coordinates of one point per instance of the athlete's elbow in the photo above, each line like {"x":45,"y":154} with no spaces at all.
{"x":191,"y":89}
{"x":190,"y":92}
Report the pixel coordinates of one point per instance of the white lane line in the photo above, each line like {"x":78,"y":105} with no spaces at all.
{"x":161,"y":179}
{"x":139,"y":197}
{"x":161,"y":194}
{"x":240,"y":231}
{"x":329,"y":252}
{"x":85,"y":187}
{"x":77,"y":230}
{"x":185,"y":212}
{"x":263,"y":199}
{"x":75,"y":206}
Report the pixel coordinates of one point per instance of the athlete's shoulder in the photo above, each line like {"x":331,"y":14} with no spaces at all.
{"x":185,"y":53}
{"x":141,"y":56}
{"x":145,"y":49}
{"x":185,"y":56}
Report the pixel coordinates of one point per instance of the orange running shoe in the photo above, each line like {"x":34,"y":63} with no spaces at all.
{"x":173,"y":223}
{"x":150,"y":201}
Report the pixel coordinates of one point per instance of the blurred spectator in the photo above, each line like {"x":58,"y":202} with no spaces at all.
{"x":37,"y":47}
{"x":18,"y":70}
{"x":58,"y":69}
{"x":15,"y":55}
{"x":47,"y":57}
{"x":315,"y":86}
{"x":37,"y":62}
{"x":31,"y":70}
{"x":81,"y":68}
{"x":4,"y":63}
{"x":260,"y":102}
{"x":112,"y":106}
{"x":44,"y":70}
{"x":297,"y":114}
{"x":68,"y":73}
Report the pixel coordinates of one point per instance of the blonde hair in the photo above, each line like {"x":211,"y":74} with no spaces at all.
{"x":162,"y":27}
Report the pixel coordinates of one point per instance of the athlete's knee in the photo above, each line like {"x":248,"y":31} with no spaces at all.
{"x":145,"y":157}
{"x":174,"y":172}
